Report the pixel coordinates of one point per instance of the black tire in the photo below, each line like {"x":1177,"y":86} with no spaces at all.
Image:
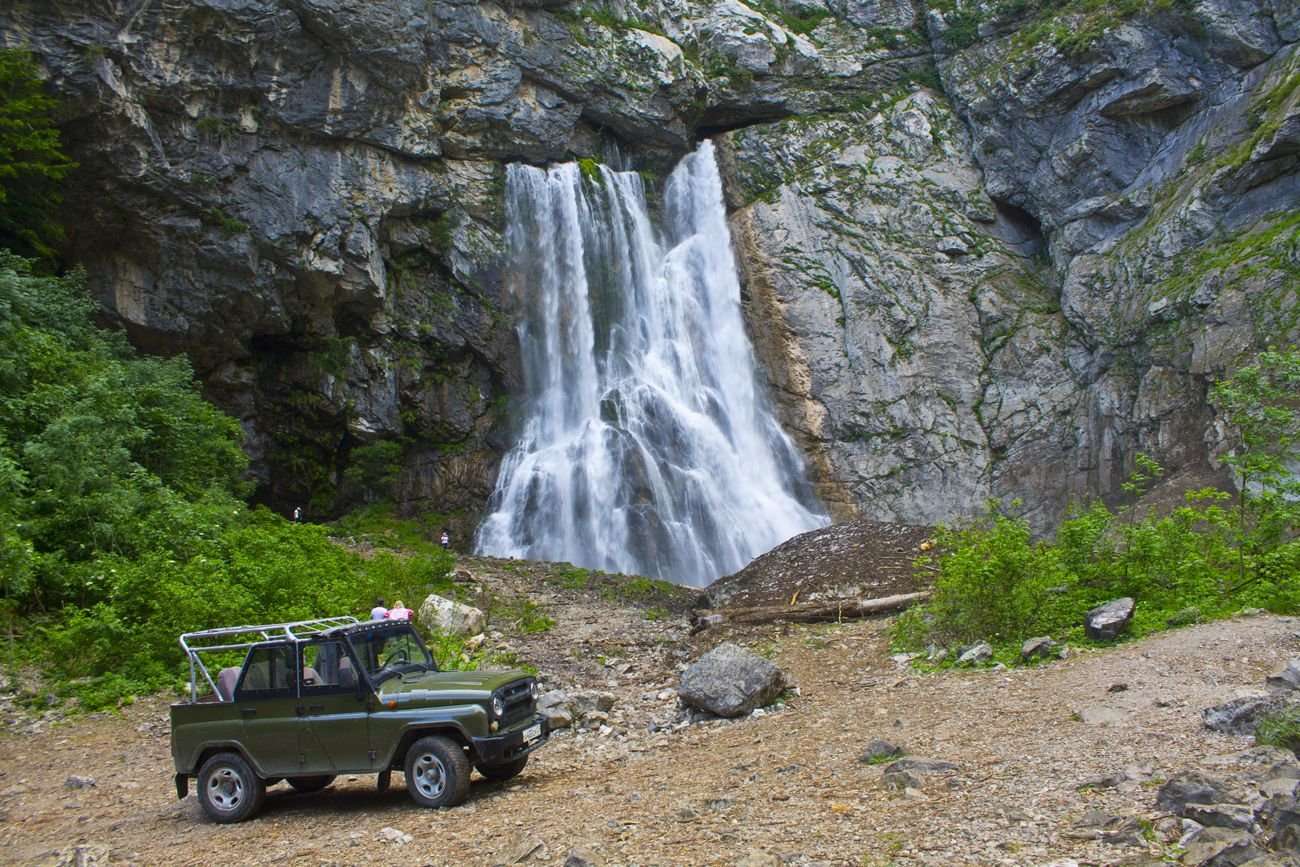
{"x":306,"y":785}
{"x":437,"y":772}
{"x":229,"y":791}
{"x":501,"y":773}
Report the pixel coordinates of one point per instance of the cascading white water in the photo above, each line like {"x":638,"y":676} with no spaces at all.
{"x":648,"y":447}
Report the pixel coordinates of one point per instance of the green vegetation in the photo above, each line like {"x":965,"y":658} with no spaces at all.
{"x":590,"y":169}
{"x":1281,"y":729}
{"x":1211,"y":557}
{"x":121,"y":513}
{"x":1072,"y":26}
{"x":32,"y":164}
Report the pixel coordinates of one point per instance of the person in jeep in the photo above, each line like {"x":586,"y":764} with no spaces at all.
{"x":316,"y":699}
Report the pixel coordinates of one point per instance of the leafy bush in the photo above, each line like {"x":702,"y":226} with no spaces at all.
{"x":1214,"y":555}
{"x":1281,"y":729}
{"x":121,"y":514}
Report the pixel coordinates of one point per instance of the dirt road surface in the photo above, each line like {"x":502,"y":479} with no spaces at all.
{"x":783,"y":788}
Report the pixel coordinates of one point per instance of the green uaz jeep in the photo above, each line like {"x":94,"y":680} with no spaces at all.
{"x":324,"y":697}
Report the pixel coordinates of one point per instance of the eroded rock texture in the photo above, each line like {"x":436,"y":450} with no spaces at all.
{"x":985,"y":254}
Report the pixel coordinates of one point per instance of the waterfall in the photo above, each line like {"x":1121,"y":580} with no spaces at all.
{"x":648,"y":446}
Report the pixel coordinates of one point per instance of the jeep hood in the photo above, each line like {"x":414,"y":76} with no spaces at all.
{"x":465,"y":684}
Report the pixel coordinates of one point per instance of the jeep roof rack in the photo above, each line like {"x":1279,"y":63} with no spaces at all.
{"x":243,"y":637}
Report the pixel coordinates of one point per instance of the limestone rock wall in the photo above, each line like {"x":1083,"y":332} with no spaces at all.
{"x":986,"y":252}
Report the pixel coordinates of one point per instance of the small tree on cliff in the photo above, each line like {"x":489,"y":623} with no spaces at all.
{"x":32,"y":165}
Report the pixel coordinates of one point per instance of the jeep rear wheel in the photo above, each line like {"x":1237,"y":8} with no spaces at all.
{"x":310,"y":784}
{"x":501,"y":773}
{"x":229,"y":791}
{"x":437,"y":772}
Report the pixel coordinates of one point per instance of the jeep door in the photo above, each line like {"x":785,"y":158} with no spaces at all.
{"x":335,"y":710}
{"x":267,"y":699}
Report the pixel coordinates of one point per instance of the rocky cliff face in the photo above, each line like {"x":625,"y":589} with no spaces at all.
{"x":989,"y":251}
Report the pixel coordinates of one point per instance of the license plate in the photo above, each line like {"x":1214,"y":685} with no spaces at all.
{"x":532,"y":733}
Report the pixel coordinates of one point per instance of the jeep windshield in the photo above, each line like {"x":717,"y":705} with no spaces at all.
{"x":390,"y":651}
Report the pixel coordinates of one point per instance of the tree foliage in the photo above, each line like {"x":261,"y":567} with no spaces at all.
{"x":32,"y":163}
{"x":121,"y":513}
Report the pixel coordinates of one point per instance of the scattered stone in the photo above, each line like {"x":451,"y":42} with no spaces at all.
{"x":589,"y":701}
{"x":1189,"y":787}
{"x":392,"y":835}
{"x":554,"y":706}
{"x":446,"y":615}
{"x":1041,"y":647}
{"x":730,"y":681}
{"x":1106,"y":622}
{"x":1109,"y":781}
{"x":976,"y":655}
{"x":524,"y":848}
{"x":475,"y":642}
{"x":81,"y":855}
{"x":1124,"y":832}
{"x":76,"y":782}
{"x":1241,"y":715}
{"x":1117,"y":687}
{"x":880,"y":751}
{"x":1099,"y":715}
{"x":1220,"y":847}
{"x":1286,"y":824}
{"x":1286,"y":679}
{"x":581,"y":857}
{"x":759,"y":858}
{"x":1219,"y":815}
{"x":936,"y":653}
{"x":907,"y":773}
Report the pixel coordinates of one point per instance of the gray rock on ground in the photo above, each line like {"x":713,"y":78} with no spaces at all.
{"x":1240,"y":715}
{"x":1220,"y":847}
{"x":976,"y":655}
{"x":438,"y":613}
{"x":1041,"y":647}
{"x":730,"y":681}
{"x":879,"y":750}
{"x":1189,"y":787}
{"x":1220,"y":815}
{"x":910,"y":773}
{"x":1286,"y":679}
{"x":1108,"y":621}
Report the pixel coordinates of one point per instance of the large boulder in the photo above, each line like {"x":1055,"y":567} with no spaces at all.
{"x":438,"y":613}
{"x":1106,"y":622}
{"x":730,"y":681}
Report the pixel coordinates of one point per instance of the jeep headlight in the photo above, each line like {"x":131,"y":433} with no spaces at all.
{"x":533,"y":690}
{"x":498,"y":706}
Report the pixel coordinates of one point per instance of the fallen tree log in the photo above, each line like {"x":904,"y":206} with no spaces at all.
{"x":807,"y":612}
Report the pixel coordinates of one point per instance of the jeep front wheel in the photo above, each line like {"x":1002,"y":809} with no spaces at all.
{"x":501,"y":773}
{"x":310,"y":784}
{"x":229,"y":791}
{"x":437,"y":772}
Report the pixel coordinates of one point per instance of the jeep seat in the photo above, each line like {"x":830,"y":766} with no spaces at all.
{"x":310,"y":677}
{"x":226,"y":681}
{"x":347,"y":674}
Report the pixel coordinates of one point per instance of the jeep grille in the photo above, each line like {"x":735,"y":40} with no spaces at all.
{"x":518,"y":700}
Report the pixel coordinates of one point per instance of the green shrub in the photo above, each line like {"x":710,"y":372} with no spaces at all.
{"x":1210,"y":557}
{"x":121,"y":514}
{"x":1281,"y":729}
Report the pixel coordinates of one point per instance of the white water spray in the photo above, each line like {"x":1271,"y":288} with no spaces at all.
{"x":647,"y":448}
